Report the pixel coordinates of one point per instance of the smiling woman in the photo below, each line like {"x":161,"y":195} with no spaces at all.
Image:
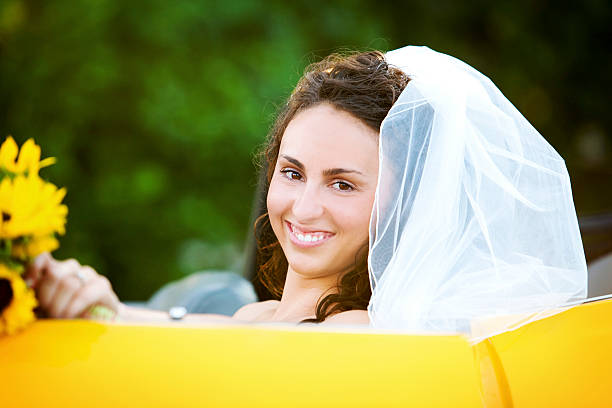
{"x":415,"y":191}
{"x":321,"y":196}
{"x":322,"y":170}
{"x":322,"y":161}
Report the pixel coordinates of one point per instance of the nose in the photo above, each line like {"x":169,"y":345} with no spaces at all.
{"x":307,"y":205}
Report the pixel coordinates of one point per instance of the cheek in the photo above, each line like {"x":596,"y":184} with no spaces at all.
{"x":355,"y":216}
{"x":277,"y":202}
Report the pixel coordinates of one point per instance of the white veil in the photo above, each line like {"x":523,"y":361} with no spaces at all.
{"x":473,"y":217}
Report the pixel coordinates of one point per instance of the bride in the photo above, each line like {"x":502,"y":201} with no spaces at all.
{"x":403,"y":191}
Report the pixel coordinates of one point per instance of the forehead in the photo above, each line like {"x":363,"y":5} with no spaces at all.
{"x":325,"y":135}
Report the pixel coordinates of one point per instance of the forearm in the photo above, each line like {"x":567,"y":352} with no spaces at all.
{"x":138,"y":314}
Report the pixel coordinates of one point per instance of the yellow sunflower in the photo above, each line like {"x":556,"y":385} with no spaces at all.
{"x":17,"y":302}
{"x":31,"y":207}
{"x":28,"y":160}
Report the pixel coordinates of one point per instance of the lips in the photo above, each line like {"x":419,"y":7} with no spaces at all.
{"x":303,"y":237}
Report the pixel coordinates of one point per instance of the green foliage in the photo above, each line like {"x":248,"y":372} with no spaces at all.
{"x":154,"y":109}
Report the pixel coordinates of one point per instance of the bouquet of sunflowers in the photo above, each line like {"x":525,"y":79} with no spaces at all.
{"x":32,"y":217}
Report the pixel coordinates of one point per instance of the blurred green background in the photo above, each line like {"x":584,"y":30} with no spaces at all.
{"x":155,"y":108}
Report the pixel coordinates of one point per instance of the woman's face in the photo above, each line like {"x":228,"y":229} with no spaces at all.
{"x":322,"y":190}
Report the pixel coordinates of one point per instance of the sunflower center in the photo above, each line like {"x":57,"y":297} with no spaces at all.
{"x":6,"y":217}
{"x":6,"y":294}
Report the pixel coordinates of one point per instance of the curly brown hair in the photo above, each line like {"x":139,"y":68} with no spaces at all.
{"x":364,"y":85}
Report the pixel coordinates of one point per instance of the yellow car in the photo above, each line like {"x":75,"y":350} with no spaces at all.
{"x":560,"y":361}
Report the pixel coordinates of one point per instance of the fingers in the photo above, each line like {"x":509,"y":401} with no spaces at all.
{"x":57,"y":276}
{"x":70,"y":286}
{"x":34,"y":269}
{"x":97,"y":291}
{"x":66,"y":289}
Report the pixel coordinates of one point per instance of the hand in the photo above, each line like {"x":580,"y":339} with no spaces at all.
{"x":67,"y":289}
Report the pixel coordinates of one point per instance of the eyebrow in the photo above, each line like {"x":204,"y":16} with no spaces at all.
{"x":326,"y":172}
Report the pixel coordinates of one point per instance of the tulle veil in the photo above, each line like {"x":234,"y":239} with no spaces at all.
{"x":473,"y":229}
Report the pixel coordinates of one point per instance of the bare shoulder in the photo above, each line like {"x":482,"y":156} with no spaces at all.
{"x":349,"y":317}
{"x":255,"y":311}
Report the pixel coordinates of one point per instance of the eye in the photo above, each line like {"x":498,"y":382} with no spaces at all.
{"x":342,"y":186}
{"x":291,"y":174}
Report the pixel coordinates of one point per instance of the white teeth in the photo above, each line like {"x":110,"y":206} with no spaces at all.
{"x":306,"y":237}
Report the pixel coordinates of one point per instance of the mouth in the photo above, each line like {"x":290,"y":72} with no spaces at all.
{"x":307,"y":239}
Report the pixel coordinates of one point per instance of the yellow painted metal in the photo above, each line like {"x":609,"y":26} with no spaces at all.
{"x":494,"y":384}
{"x":561,"y":361}
{"x":86,"y":364}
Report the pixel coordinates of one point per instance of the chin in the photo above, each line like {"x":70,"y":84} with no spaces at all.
{"x":308,"y":265}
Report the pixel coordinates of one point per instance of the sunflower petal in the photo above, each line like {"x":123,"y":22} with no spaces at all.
{"x":8,"y":154}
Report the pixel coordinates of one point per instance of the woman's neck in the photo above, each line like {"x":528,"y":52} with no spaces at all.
{"x":300,"y":296}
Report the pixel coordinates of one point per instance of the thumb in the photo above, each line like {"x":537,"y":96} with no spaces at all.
{"x":36,"y":268}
